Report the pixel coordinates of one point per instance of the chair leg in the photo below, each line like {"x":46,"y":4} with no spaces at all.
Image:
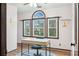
{"x":37,"y":53}
{"x":46,"y":50}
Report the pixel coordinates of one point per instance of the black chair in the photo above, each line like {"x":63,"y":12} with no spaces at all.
{"x":37,"y":47}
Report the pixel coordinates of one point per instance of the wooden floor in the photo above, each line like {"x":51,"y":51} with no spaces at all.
{"x":57,"y":52}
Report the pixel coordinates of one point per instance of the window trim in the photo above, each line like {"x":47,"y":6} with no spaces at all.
{"x":52,"y":28}
{"x":44,"y":18}
{"x":39,"y":27}
{"x":24,"y":29}
{"x":57,"y":28}
{"x":45,"y":31}
{"x":37,"y":11}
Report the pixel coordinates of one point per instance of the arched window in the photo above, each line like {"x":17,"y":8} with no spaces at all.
{"x":38,"y":14}
{"x":41,"y":26}
{"x":38,"y":23}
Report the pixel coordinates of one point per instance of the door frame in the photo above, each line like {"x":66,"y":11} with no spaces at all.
{"x":78,"y":29}
{"x":3,"y":48}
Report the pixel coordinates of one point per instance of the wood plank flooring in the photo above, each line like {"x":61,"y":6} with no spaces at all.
{"x":57,"y":52}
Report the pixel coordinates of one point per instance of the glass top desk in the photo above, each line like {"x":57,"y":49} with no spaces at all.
{"x":36,"y":41}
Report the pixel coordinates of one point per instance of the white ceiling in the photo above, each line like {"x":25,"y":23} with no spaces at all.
{"x":23,"y":8}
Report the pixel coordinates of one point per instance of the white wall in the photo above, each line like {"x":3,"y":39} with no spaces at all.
{"x":11,"y":27}
{"x":65,"y":33}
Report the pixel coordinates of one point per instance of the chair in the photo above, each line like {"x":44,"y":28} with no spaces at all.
{"x":37,"y":47}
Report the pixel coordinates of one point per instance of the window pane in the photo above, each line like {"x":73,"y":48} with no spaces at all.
{"x":38,"y":31}
{"x":38,"y":27}
{"x":27,"y":23}
{"x":27,"y":32}
{"x":38,"y":14}
{"x":38,"y":23}
{"x":52,"y":23}
{"x":27,"y":28}
{"x":41,"y":33}
{"x":52,"y":31}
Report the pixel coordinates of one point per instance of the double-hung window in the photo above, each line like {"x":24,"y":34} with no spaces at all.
{"x":38,"y":24}
{"x":38,"y":27}
{"x":26,"y":28}
{"x":53,"y":27}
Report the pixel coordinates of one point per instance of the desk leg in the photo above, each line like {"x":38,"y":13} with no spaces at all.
{"x":28,"y":48}
{"x":49,"y":49}
{"x":46,"y":50}
{"x":21,"y":49}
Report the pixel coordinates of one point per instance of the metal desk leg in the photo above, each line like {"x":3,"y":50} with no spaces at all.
{"x":28,"y":48}
{"x":46,"y":50}
{"x":21,"y":49}
{"x":49,"y":49}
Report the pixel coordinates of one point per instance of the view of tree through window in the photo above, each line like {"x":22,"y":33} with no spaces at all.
{"x":52,"y":28}
{"x":38,"y":26}
{"x":27,"y":28}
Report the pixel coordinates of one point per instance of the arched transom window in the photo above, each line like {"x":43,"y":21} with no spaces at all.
{"x":38,"y":23}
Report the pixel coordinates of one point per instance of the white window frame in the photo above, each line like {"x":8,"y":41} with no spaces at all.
{"x":53,"y":27}
{"x":28,"y":27}
{"x":39,"y":27}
